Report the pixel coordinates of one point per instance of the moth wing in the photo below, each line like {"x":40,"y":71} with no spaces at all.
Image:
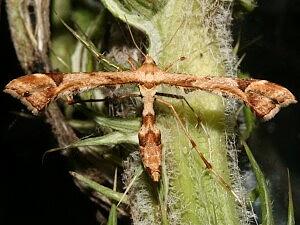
{"x":263,"y":97}
{"x":266,"y":98}
{"x":36,"y":91}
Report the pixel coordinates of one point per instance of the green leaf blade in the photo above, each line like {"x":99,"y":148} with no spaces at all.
{"x":112,"y":218}
{"x":107,"y":192}
{"x":266,"y":204}
{"x":122,"y":125}
{"x":110,"y":139}
{"x":291,"y":216}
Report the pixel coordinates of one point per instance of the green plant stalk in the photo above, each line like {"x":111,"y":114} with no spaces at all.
{"x":189,"y":194}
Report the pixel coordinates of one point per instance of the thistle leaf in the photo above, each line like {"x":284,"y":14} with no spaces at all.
{"x":107,"y":192}
{"x":110,"y":139}
{"x":89,"y":45}
{"x":266,"y":205}
{"x":112,"y":218}
{"x":291,"y":217}
{"x":122,"y":125}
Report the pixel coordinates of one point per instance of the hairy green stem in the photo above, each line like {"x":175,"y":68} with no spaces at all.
{"x":188,"y":192}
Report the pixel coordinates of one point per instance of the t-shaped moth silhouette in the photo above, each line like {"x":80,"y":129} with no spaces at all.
{"x":265,"y":99}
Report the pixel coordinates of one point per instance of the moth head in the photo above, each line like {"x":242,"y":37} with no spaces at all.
{"x":149,"y":60}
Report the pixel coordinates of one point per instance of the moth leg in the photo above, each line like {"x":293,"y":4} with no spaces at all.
{"x":208,"y":165}
{"x":132,"y":63}
{"x":132,"y":95}
{"x":79,"y":101}
{"x":184,"y":99}
{"x":117,"y":105}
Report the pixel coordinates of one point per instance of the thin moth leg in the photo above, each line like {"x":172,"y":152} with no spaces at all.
{"x":184,"y":99}
{"x":208,"y":165}
{"x":132,"y":95}
{"x":133,"y":67}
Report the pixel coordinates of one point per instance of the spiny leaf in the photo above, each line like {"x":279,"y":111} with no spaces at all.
{"x":112,"y":139}
{"x":107,"y":192}
{"x":291,"y":217}
{"x":249,"y":5}
{"x":89,"y":45}
{"x":250,"y":120}
{"x":112,"y":218}
{"x":82,"y":55}
{"x":266,"y":205}
{"x":82,"y":125}
{"x":122,"y":125}
{"x":253,"y":195}
{"x":112,"y":158}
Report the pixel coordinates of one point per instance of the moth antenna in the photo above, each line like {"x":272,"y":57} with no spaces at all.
{"x":131,"y":35}
{"x":129,"y":60}
{"x":168,"y":42}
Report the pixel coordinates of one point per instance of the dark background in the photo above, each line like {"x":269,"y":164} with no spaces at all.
{"x":45,"y":194}
{"x":275,"y":56}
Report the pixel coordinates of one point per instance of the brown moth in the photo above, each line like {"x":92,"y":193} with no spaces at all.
{"x":265,"y":99}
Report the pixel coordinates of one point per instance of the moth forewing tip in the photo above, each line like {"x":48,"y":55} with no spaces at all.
{"x":23,"y":100}
{"x":12,"y":92}
{"x":277,"y":108}
{"x":287,"y":97}
{"x":289,"y":101}
{"x":34,"y":111}
{"x":271,"y":114}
